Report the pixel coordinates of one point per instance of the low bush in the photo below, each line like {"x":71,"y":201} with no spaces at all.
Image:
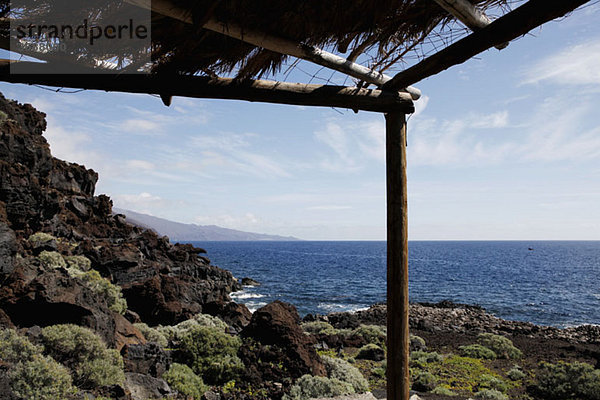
{"x":371,"y":334}
{"x":112,"y":293}
{"x":516,"y":373}
{"x":85,"y":354}
{"x":424,"y":381}
{"x":181,"y":378}
{"x":422,"y":358}
{"x":15,"y":348}
{"x":318,"y":328}
{"x":567,"y":381}
{"x":417,"y":343}
{"x":500,"y":345}
{"x":443,"y":391}
{"x":345,"y":372}
{"x":309,"y":387}
{"x":40,"y":238}
{"x":78,"y":263}
{"x":490,"y":394}
{"x":152,"y":334}
{"x":52,"y":259}
{"x":487,"y":381}
{"x":212,"y":354}
{"x":40,"y":378}
{"x":477,"y":351}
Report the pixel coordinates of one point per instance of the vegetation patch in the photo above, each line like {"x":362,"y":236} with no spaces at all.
{"x":319,"y":328}
{"x":500,"y":345}
{"x":212,"y":354}
{"x":40,"y":378}
{"x":371,"y":334}
{"x":85,"y":354}
{"x":345,"y":372}
{"x":308,"y":387}
{"x":181,"y":378}
{"x":490,"y":394}
{"x":567,"y":381}
{"x":460,"y":374}
{"x":477,"y":351}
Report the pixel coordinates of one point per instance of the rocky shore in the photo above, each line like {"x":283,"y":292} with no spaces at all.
{"x":92,"y":307}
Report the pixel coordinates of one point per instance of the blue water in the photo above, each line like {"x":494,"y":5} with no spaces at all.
{"x":558,"y":283}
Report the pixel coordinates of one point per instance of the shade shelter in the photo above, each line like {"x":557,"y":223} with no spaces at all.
{"x":195,"y":43}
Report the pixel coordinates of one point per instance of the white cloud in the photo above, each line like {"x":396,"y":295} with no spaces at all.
{"x":139,"y":165}
{"x":139,"y":126}
{"x":573,"y":66}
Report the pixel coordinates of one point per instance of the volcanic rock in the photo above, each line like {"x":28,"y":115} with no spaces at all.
{"x":148,"y":359}
{"x":276,"y":349}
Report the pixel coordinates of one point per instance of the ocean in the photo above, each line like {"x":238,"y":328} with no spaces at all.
{"x":555,"y":283}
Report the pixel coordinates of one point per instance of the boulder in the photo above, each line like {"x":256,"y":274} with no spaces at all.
{"x":144,"y":387}
{"x":237,"y":316}
{"x":8,"y":249}
{"x":249,"y":282}
{"x":276,"y":349}
{"x":148,"y":359}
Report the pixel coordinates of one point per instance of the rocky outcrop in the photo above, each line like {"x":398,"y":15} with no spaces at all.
{"x":149,"y":359}
{"x":237,"y":316}
{"x":163,"y":283}
{"x":276,"y":350}
{"x":447,"y":316}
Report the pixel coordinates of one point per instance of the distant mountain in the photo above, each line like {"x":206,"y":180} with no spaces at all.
{"x":190,"y":232}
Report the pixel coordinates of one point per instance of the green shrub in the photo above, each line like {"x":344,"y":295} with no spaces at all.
{"x":490,"y":394}
{"x":459,"y":374}
{"x":422,"y":358}
{"x":82,"y":351}
{"x":78,"y":263}
{"x":417,"y":342}
{"x":371,"y":333}
{"x":40,"y":238}
{"x":15,"y":347}
{"x":500,"y":345}
{"x":52,"y":259}
{"x":567,"y":381}
{"x":443,"y":391}
{"x":308,"y":387}
{"x":40,"y":378}
{"x":487,"y":381}
{"x":212,"y":354}
{"x":152,"y":334}
{"x":515,"y":373}
{"x":345,"y":372}
{"x":477,"y":351}
{"x":424,"y":381}
{"x":112,"y":293}
{"x":371,"y":351}
{"x":318,"y":328}
{"x":181,"y":378}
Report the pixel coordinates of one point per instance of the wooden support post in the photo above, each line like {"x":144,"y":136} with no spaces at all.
{"x":398,"y":381}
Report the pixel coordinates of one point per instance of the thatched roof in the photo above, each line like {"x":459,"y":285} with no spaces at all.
{"x":386,"y":29}
{"x":387,"y":26}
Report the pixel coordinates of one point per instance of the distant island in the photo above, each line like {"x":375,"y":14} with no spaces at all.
{"x":178,"y":232}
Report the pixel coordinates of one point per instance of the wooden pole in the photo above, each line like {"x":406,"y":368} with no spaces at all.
{"x":398,"y":380}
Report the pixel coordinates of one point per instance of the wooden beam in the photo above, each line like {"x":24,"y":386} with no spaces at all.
{"x":398,"y":380}
{"x":467,"y":13}
{"x":506,"y":28}
{"x":216,"y":88}
{"x":275,"y":44}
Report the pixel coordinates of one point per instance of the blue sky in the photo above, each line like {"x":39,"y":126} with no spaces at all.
{"x":505,"y":146}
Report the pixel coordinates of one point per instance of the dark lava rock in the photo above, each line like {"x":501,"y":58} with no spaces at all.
{"x":275,"y":347}
{"x":374,"y":353}
{"x":163,"y":283}
{"x":237,"y":316}
{"x":148,"y":359}
{"x":144,"y":387}
{"x":249,"y":282}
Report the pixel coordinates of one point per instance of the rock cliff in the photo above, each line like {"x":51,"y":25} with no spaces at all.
{"x":163,"y":283}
